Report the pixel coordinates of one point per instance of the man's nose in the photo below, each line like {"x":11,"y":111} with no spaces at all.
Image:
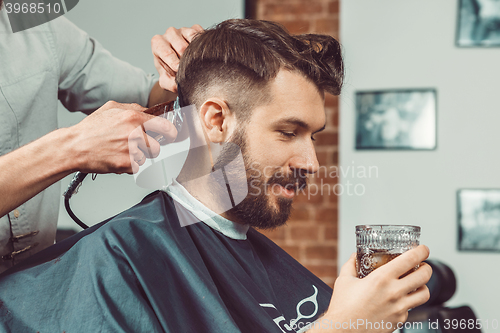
{"x":305,"y":160}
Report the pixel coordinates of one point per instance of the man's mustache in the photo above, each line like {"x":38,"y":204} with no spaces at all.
{"x":295,"y":182}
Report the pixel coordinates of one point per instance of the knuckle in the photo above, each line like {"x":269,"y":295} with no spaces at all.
{"x":171,"y":31}
{"x":188,"y":32}
{"x":134,"y":151}
{"x":156,"y":39}
{"x":134,"y":136}
{"x":111,"y":104}
{"x":197,"y":28}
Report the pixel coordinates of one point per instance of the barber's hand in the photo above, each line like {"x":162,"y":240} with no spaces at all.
{"x":113,"y":139}
{"x":167,"y":50}
{"x":380,"y":296}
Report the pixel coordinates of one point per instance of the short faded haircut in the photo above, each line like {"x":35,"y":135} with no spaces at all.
{"x":238,"y":58}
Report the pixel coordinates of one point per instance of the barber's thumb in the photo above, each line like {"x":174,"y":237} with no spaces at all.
{"x":349,"y":268}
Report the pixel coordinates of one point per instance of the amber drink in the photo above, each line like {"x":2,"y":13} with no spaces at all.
{"x":378,"y":244}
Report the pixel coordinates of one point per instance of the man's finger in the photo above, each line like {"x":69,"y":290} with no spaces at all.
{"x":349,"y":268}
{"x":418,"y":297}
{"x":149,"y":146}
{"x":138,"y":139}
{"x":138,"y":157}
{"x":165,"y":53}
{"x":190,"y":33}
{"x":418,"y":278}
{"x":406,"y":261}
{"x":197,"y":27}
{"x":167,"y":82}
{"x":162,"y":65}
{"x":162,"y":127}
{"x":134,"y":164}
{"x":178,"y":40}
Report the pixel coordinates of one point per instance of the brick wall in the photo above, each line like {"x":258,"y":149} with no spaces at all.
{"x":311,"y":234}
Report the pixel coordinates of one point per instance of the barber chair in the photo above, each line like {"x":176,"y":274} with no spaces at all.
{"x":433,"y":316}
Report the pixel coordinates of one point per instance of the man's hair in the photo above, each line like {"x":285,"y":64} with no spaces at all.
{"x":238,"y":58}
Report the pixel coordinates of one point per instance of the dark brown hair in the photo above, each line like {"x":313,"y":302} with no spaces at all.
{"x":239,"y":57}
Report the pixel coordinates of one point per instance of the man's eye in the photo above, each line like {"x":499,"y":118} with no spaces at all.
{"x":287,"y":134}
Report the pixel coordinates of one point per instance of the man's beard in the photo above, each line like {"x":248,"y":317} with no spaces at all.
{"x":256,"y":209}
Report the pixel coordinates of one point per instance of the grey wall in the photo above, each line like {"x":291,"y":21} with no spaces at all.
{"x":125,"y":28}
{"x":410,"y":44}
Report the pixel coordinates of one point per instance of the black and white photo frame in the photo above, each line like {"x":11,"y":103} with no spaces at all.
{"x":478,"y":23}
{"x":396,"y":119}
{"x":478,"y":218}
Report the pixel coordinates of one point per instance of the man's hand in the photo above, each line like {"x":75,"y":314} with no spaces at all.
{"x":167,"y":50}
{"x":113,"y":139}
{"x":381,"y":297}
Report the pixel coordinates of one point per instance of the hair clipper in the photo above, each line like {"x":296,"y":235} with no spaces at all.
{"x":169,"y":110}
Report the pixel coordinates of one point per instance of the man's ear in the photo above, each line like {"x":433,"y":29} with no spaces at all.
{"x":216,"y":119}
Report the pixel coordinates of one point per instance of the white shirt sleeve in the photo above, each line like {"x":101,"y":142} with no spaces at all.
{"x":90,"y":76}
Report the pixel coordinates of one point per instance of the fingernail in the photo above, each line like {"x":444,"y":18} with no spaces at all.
{"x":160,"y":139}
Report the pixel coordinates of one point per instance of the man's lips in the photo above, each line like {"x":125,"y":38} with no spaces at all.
{"x":287,"y":191}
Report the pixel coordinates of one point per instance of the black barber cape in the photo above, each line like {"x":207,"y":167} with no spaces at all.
{"x":141,"y":271}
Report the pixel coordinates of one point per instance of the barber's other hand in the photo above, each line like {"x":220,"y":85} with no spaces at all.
{"x":382,"y":295}
{"x":113,"y":139}
{"x":167,"y":50}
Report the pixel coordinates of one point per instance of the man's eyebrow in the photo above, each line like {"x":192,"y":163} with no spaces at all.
{"x":297,"y":122}
{"x":322,"y":128}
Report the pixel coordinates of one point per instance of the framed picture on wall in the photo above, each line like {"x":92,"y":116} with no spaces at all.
{"x":478,"y":23}
{"x":478,"y":219}
{"x":396,"y":119}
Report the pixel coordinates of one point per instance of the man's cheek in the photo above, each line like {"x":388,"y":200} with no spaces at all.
{"x":255,"y":189}
{"x":269,"y":171}
{"x":254,"y":170}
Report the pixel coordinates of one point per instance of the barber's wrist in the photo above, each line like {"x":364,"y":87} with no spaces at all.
{"x":70,"y":158}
